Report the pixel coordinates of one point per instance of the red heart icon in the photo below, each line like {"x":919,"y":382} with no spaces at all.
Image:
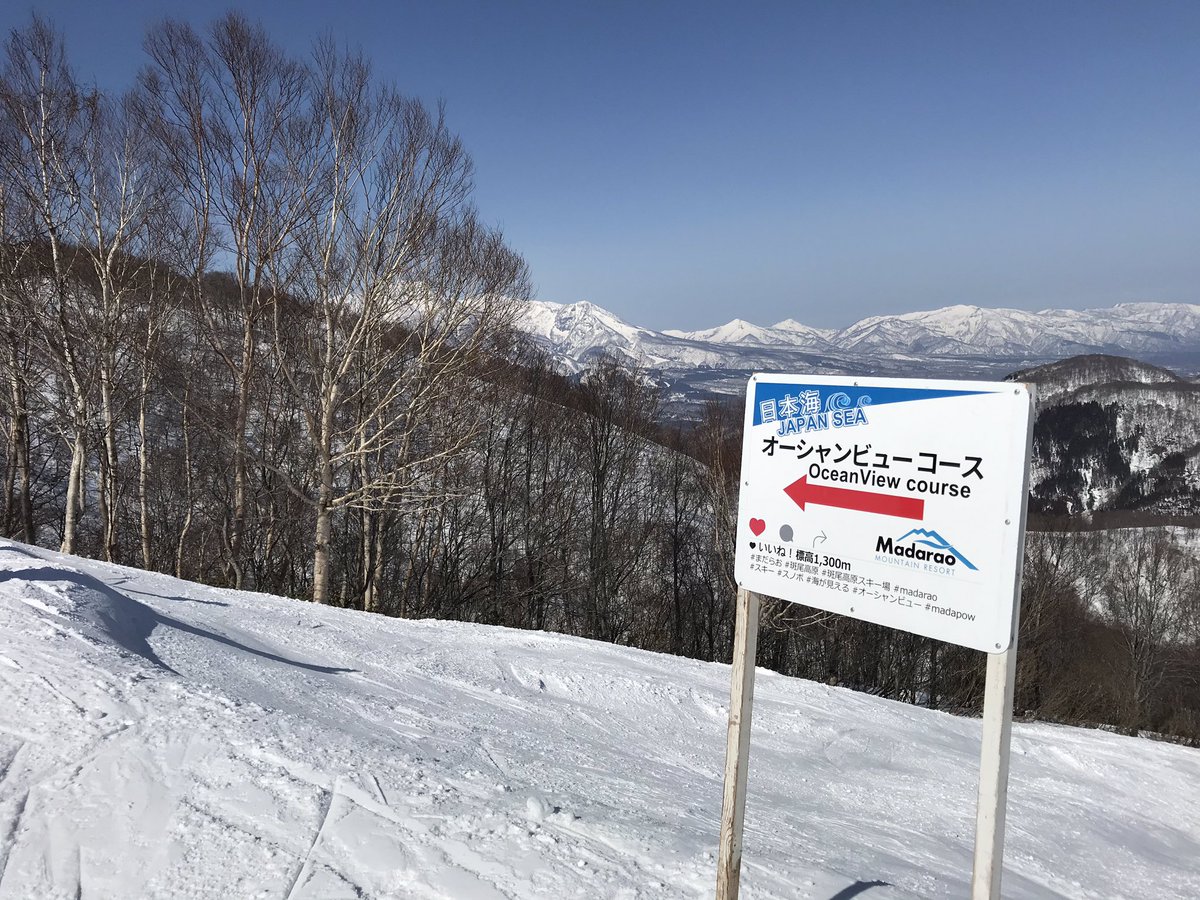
{"x":758,"y":526}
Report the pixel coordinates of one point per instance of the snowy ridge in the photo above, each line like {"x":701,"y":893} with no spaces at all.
{"x":1114,"y":434}
{"x":1061,"y":380}
{"x":163,"y":739}
{"x":579,"y":333}
{"x":576,"y":333}
{"x":788,"y":333}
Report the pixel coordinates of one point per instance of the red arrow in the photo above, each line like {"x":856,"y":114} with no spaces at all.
{"x":864,"y":501}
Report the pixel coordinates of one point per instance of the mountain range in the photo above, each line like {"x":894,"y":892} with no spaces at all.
{"x":1113,"y":435}
{"x":956,"y":341}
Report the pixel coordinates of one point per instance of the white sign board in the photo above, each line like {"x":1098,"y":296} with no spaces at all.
{"x":896,"y":501}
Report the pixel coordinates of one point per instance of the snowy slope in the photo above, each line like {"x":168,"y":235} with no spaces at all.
{"x":735,"y":331}
{"x":579,"y":329}
{"x":162,"y":739}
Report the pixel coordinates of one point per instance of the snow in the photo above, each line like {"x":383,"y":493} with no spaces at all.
{"x":577,"y":332}
{"x":738,"y":331}
{"x":1064,"y":381}
{"x":164,"y":739}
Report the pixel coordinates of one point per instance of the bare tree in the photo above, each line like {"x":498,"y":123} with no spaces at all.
{"x":1055,"y":568}
{"x":49,"y":121}
{"x":619,"y":410}
{"x":1144,"y":595}
{"x":394,"y":290}
{"x":19,"y":361}
{"x":123,"y":192}
{"x":227,"y":110}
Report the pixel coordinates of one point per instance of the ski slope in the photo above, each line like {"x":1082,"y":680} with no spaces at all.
{"x":163,"y":739}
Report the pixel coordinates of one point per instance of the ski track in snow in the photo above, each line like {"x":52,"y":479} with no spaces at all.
{"x":164,"y":739}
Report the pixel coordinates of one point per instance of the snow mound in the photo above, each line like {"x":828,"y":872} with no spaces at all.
{"x":164,"y":739}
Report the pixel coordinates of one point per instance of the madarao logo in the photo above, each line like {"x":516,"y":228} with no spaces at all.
{"x":922,"y":547}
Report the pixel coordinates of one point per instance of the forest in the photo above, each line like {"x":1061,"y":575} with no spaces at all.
{"x":256,"y":334}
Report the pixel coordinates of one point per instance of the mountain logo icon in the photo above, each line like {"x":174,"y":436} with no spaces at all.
{"x":936,"y":543}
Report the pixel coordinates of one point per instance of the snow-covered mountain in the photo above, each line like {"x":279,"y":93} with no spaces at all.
{"x":788,"y":333}
{"x":965,"y":330}
{"x":957,"y":340}
{"x":578,"y":333}
{"x":954,"y":342}
{"x":164,"y":739}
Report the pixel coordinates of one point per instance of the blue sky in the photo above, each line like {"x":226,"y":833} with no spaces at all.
{"x":686,"y":163}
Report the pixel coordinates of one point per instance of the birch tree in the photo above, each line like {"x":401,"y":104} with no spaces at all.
{"x":123,"y":192}
{"x":49,"y":118}
{"x":19,"y":360}
{"x":227,"y":109}
{"x":1144,"y":595}
{"x":396,"y":289}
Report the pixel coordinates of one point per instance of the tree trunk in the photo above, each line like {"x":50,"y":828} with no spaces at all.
{"x":321,"y":554}
{"x":18,"y":481}
{"x":10,"y":480}
{"x":238,"y":522}
{"x":109,"y":487}
{"x":21,"y":422}
{"x":144,"y":476}
{"x":378,"y":562}
{"x":371,"y":554}
{"x":74,"y":491}
{"x":238,"y":525}
{"x":187,"y":468}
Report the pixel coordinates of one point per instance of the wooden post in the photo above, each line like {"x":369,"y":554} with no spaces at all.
{"x":737,"y":745}
{"x":993,"y":774}
{"x":997,"y":726}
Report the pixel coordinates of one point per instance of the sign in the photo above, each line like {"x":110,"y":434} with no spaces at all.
{"x":895,"y":501}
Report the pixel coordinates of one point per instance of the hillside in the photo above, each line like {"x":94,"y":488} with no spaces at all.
{"x":1114,"y":434}
{"x":1060,"y":380}
{"x":170,"y":740}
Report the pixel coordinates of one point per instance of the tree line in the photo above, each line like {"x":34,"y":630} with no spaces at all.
{"x":236,"y":296}
{"x":255,"y":334}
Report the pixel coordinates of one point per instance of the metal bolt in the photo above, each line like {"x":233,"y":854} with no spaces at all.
{"x":1006,"y":521}
{"x":997,"y":646}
